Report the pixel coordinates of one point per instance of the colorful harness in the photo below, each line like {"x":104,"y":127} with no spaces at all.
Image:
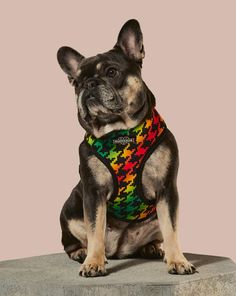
{"x":125,"y":152}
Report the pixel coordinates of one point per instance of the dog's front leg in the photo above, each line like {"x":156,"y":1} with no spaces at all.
{"x":95,"y":221}
{"x":167,"y":211}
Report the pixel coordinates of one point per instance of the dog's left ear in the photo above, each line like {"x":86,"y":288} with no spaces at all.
{"x":130,"y":41}
{"x":69,"y":60}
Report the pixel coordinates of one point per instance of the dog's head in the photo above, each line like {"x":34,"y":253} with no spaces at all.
{"x":109,"y":88}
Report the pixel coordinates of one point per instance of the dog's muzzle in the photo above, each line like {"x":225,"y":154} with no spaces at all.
{"x":97,"y":93}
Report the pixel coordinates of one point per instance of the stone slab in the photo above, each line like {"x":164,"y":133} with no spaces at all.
{"x":57,"y":275}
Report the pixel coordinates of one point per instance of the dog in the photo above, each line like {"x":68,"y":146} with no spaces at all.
{"x":126,"y":202}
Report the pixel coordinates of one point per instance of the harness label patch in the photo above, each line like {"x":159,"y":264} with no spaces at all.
{"x":123,"y":140}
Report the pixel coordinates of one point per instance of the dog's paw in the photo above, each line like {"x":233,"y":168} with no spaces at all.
{"x":79,"y":255}
{"x":92,"y":270}
{"x":181,"y":267}
{"x":152,"y":250}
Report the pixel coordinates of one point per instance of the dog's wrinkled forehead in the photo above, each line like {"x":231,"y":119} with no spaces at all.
{"x":88,"y":66}
{"x":97,"y":65}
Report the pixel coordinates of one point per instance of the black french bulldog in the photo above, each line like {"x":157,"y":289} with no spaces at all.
{"x":126,"y":203}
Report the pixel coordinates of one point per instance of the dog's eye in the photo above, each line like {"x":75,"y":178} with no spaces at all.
{"x":111,"y":72}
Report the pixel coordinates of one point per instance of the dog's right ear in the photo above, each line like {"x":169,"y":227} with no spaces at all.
{"x":69,"y":60}
{"x":130,"y":41}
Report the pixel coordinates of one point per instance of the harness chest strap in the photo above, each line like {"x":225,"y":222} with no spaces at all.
{"x":125,"y":152}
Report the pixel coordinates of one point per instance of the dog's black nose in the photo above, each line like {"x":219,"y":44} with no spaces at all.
{"x":91,"y":83}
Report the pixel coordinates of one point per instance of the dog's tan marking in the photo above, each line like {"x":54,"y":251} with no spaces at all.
{"x":112,"y":240}
{"x":101,"y":173}
{"x":133,"y":87}
{"x":77,"y":228}
{"x":127,"y":123}
{"x":155,"y":168}
{"x":161,"y":160}
{"x":173,"y":254}
{"x":95,"y":109}
{"x":78,"y":72}
{"x":95,"y":260}
{"x":79,"y":104}
{"x":99,"y":66}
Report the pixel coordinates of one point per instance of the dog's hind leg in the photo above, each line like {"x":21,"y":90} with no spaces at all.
{"x":152,"y":250}
{"x":74,"y":247}
{"x":74,"y":237}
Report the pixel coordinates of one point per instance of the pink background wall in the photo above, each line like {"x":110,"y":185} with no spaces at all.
{"x":189,"y":65}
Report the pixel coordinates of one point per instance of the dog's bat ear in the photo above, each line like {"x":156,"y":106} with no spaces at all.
{"x":130,"y":40}
{"x":69,"y":60}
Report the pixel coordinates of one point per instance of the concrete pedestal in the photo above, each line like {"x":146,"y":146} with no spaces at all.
{"x":57,"y":275}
